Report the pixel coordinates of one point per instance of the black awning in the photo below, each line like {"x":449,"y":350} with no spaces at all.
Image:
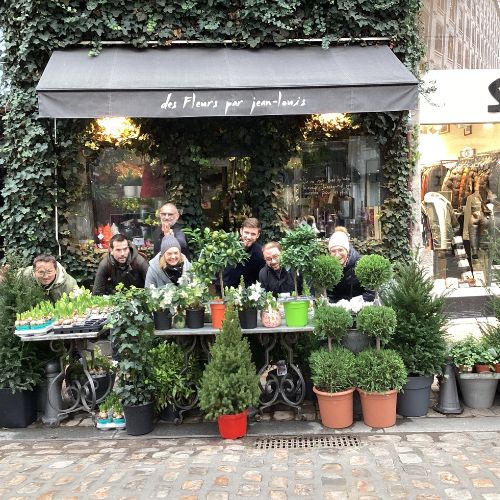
{"x":201,"y":81}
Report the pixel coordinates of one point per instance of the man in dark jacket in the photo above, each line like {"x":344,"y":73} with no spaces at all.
{"x":123,"y":264}
{"x":249,"y":234}
{"x":272,"y":276}
{"x":169,"y":216}
{"x":349,"y":286}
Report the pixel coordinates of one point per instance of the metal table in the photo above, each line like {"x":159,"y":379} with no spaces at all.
{"x":280,"y":384}
{"x":65,"y":396}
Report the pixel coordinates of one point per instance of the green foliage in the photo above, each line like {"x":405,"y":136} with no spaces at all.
{"x":132,"y":326}
{"x":39,"y":171}
{"x":171,"y":380}
{"x":230,"y":383}
{"x":99,"y":363}
{"x":326,"y":273}
{"x":299,"y":247}
{"x":419,"y":337}
{"x":470,"y":351}
{"x":219,"y":250}
{"x":333,"y":371}
{"x":373,"y":271}
{"x":21,"y":363}
{"x":491,"y":337}
{"x":377,"y":321}
{"x":331,"y":322}
{"x":380,"y":370}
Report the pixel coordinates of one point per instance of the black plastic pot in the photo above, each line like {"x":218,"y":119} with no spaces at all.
{"x":195,"y":318}
{"x":163,"y":320}
{"x":170,"y":414}
{"x":102,"y":384}
{"x":413,"y":400}
{"x":17,"y":409}
{"x":248,"y":318}
{"x":139,"y":419}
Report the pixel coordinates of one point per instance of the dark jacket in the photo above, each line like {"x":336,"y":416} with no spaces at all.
{"x":279,"y":281}
{"x":248,"y":269}
{"x":110,"y":272}
{"x":178,"y":233}
{"x":349,"y":286}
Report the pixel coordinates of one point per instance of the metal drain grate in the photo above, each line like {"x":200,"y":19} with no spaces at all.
{"x":307,"y":442}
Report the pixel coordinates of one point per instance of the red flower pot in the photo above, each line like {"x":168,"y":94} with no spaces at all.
{"x":379,"y":408}
{"x":233,"y":426}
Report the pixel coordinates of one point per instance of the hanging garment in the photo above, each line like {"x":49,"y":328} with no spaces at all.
{"x":441,"y":217}
{"x":472,"y":204}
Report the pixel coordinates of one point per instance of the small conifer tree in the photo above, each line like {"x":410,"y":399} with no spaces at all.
{"x":230,"y":383}
{"x":419,"y":336}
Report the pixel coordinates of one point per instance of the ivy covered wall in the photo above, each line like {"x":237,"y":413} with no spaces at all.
{"x":39,"y":171}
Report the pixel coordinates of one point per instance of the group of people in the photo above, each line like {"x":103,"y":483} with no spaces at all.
{"x":125,"y":264}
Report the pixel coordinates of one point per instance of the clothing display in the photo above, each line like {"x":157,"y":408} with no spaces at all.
{"x":442,"y":220}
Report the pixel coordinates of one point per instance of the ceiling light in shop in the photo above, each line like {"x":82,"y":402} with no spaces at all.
{"x":116,"y":129}
{"x":487,"y":126}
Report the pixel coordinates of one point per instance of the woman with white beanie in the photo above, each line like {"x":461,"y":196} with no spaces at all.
{"x":168,"y":265}
{"x":349,"y":286}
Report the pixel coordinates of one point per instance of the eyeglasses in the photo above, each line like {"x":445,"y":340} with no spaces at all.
{"x":271,"y":259}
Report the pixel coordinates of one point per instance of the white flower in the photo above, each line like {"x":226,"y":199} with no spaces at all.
{"x":343,"y":303}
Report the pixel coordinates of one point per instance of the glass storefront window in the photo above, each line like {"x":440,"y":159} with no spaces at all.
{"x":338,"y":183}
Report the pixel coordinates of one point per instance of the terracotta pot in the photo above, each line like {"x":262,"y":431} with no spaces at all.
{"x":482,"y":368}
{"x":379,"y":408}
{"x":497,"y":367}
{"x":217,"y":311}
{"x":335,"y":408}
{"x":271,"y":318}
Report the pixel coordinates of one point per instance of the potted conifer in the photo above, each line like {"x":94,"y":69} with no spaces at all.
{"x":419,"y":337}
{"x":229,"y":384}
{"x":299,"y":247}
{"x":20,"y":368}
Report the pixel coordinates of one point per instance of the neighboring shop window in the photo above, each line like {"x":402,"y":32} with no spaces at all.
{"x":337,"y":183}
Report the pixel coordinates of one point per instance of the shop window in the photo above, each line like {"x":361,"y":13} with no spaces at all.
{"x":337,"y":182}
{"x":126,"y":191}
{"x":451,"y":47}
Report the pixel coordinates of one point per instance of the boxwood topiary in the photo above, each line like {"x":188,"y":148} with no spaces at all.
{"x":326,"y":273}
{"x":331,"y":322}
{"x":380,"y":370}
{"x":333,"y":371}
{"x":373,"y":271}
{"x":377,"y":321}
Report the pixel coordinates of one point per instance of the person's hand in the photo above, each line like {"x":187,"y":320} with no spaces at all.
{"x":167,"y":231}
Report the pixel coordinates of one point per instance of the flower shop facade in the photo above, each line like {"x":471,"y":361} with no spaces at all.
{"x":286,"y":160}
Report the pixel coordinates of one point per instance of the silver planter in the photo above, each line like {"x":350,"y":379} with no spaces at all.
{"x":478,"y":390}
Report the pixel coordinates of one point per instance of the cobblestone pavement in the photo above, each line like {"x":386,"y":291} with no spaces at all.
{"x":413,"y":466}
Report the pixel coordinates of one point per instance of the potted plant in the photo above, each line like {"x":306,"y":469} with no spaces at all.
{"x":333,"y":373}
{"x":478,"y":389}
{"x":326,"y":273}
{"x":380,"y":374}
{"x":20,"y":366}
{"x":102,"y":372}
{"x":218,"y":250}
{"x":331,"y":322}
{"x":193,"y":296}
{"x":373,"y":271}
{"x":110,"y":414}
{"x":173,"y":382}
{"x":131,"y":183}
{"x":229,"y":384}
{"x":163,"y":301}
{"x":491,"y":335}
{"x":299,"y":247}
{"x":419,"y":337}
{"x":246,"y":300}
{"x":271,"y":315}
{"x":132,"y":327}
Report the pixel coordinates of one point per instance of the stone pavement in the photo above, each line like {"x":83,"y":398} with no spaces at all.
{"x":423,"y":466}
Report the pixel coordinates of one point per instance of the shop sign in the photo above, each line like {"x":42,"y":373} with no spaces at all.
{"x":461,"y":96}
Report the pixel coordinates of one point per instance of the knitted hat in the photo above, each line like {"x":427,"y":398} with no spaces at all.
{"x":169,"y":242}
{"x":339,"y":239}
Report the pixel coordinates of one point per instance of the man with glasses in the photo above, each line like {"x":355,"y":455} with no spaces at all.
{"x":52,"y":276}
{"x":272,"y":276}
{"x":170,"y":226}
